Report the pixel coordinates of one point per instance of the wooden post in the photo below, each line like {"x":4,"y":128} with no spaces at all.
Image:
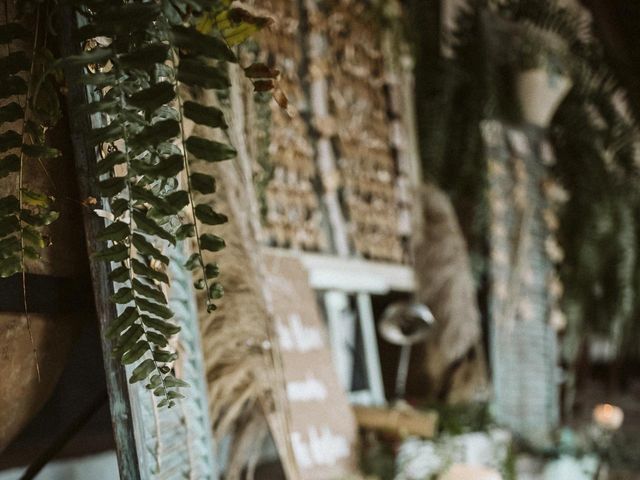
{"x":85,"y":159}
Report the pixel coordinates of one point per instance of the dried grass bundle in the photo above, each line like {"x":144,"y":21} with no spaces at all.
{"x":242,"y":363}
{"x":446,"y":285}
{"x":236,"y":338}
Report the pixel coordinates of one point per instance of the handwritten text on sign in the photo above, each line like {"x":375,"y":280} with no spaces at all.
{"x":323,"y":429}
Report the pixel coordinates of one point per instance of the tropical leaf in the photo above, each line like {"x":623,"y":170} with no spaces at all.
{"x":149,"y":292}
{"x":211,"y":242}
{"x":143,"y":370}
{"x":146,"y":248}
{"x":115,"y":253}
{"x":165,"y":167}
{"x":11,"y":112}
{"x":117,"y":231}
{"x":151,"y":48}
{"x":120,"y":274}
{"x":9,"y":164}
{"x":162,"y":326}
{"x":196,"y":73}
{"x":143,"y":270}
{"x":203,"y":183}
{"x":148,"y":225}
{"x":152,"y":98}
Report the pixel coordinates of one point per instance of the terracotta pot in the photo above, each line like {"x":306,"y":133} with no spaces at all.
{"x":540,"y":93}
{"x":53,"y":303}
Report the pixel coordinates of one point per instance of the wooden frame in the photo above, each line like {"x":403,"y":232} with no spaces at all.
{"x":337,"y":279}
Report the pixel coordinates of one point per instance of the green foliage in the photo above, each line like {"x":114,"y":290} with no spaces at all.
{"x":145,"y":50}
{"x":30,"y":106}
{"x":600,"y":233}
{"x":136,"y":55}
{"x":594,"y":143}
{"x":454,"y":97}
{"x":463,"y":418}
{"x":377,"y":457}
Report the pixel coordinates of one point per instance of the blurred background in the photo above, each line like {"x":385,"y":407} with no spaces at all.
{"x":459,"y":180}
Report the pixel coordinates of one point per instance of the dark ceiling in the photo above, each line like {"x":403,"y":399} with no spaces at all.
{"x":617,"y":24}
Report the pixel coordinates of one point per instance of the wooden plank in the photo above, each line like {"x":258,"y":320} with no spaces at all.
{"x":353,"y":275}
{"x":85,"y":161}
{"x":397,"y":420}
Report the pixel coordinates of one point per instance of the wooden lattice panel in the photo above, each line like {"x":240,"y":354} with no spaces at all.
{"x":524,"y":285}
{"x":292,"y":217}
{"x":177,"y":443}
{"x":368,"y":178}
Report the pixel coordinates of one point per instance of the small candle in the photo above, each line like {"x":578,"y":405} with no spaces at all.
{"x":608,"y":417}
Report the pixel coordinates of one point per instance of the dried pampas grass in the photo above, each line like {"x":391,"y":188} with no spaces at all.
{"x":233,"y":337}
{"x":446,"y":285}
{"x":242,"y":377}
{"x":246,"y":386}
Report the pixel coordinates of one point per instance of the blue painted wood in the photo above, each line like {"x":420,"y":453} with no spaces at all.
{"x":524,"y":346}
{"x":151,"y":443}
{"x":177,"y":443}
{"x":85,"y":161}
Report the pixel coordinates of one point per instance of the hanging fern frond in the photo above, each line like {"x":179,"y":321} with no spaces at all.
{"x":594,"y":133}
{"x":140,"y":55}
{"x":29,"y":105}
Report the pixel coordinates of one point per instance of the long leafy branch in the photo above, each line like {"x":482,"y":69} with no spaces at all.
{"x":138,"y":55}
{"x":24,"y":212}
{"x":151,"y":49}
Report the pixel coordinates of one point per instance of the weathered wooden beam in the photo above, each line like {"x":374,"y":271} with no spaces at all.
{"x":399,"y":421}
{"x":85,"y":161}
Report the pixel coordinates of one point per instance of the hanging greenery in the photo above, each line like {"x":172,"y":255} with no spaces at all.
{"x":138,"y":58}
{"x":30,"y":106}
{"x":594,"y":133}
{"x":155,"y":49}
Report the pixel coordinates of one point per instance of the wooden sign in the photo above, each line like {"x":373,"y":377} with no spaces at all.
{"x":323,"y":427}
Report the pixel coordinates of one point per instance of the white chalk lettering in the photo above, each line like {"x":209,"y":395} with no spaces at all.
{"x":309,"y":389}
{"x":294,"y":335}
{"x":323,"y":447}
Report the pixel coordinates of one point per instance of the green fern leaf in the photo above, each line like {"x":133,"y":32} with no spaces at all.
{"x":208,"y":216}
{"x":210,"y":116}
{"x":212,"y":242}
{"x":209,"y":150}
{"x":195,"y":73}
{"x":190,"y":39}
